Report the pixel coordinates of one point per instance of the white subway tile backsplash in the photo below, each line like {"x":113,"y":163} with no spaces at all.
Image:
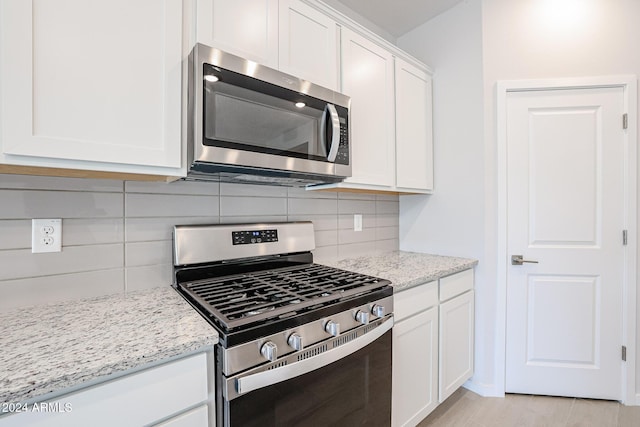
{"x":325,"y":254}
{"x":387,"y":245}
{"x":117,"y":236}
{"x":251,"y":219}
{"x":346,"y":237}
{"x":175,"y":187}
{"x":146,"y":229}
{"x":320,"y":222}
{"x":23,"y":204}
{"x":32,"y":182}
{"x":326,"y":238}
{"x":313,"y":206}
{"x":356,"y":196}
{"x":149,"y":276}
{"x":356,"y":207}
{"x":386,"y":233}
{"x":164,"y":205}
{"x":227,"y":189}
{"x":16,"y":234}
{"x":51,"y":289}
{"x":148,"y":253}
{"x":345,"y":222}
{"x":21,"y":263}
{"x":387,"y":207}
{"x":92,"y":231}
{"x":389,"y":197}
{"x":302,"y":193}
{"x":250,"y":206}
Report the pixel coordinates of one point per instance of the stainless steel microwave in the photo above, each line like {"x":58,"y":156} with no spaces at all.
{"x":251,"y":123}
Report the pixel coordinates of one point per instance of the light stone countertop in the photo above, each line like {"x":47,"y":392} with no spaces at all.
{"x":52,"y":347}
{"x":405,"y":269}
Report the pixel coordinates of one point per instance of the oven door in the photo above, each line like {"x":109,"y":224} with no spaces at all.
{"x":348,"y":385}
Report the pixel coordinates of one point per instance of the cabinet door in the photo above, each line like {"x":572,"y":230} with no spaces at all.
{"x":247,"y":28}
{"x":367,"y":77}
{"x":415,"y":368}
{"x":308,"y":44}
{"x":456,"y":343}
{"x":414,"y":140}
{"x":96,"y":81}
{"x":137,"y":399}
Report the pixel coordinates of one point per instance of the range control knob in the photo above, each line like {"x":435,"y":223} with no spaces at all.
{"x":269,"y":351}
{"x":332,"y":328}
{"x":377,"y":310}
{"x":362,"y":317}
{"x":295,"y":341}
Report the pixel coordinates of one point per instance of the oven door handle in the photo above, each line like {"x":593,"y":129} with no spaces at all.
{"x":266,"y":378}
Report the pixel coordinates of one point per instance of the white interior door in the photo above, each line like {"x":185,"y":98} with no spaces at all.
{"x":565,"y":204}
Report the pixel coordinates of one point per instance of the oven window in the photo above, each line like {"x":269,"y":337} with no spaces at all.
{"x":352,"y":391}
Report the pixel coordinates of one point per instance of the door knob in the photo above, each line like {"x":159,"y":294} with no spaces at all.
{"x":519,"y":260}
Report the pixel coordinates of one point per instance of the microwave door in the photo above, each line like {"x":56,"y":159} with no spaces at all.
{"x":239,"y":118}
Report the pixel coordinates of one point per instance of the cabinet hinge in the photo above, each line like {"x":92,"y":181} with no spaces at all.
{"x":625,"y":121}
{"x":624,"y":237}
{"x":624,"y":353}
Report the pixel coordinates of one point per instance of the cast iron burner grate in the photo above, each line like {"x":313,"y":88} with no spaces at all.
{"x":241,"y":299}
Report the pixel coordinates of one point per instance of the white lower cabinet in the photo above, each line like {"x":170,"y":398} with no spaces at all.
{"x":415,"y":355}
{"x":456,"y":333}
{"x":174,"y":394}
{"x":432,"y":345}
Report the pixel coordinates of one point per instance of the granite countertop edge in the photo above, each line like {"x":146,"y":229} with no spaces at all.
{"x":60,"y":347}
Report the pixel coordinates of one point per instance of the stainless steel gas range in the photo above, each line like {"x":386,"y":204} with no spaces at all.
{"x":301,"y":344}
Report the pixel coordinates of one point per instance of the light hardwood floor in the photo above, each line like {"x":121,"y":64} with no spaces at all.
{"x":467,"y":409}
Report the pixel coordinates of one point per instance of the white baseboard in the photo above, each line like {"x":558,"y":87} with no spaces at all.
{"x":484,"y":390}
{"x":637,"y":399}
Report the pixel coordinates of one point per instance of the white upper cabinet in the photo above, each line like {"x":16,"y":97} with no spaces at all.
{"x":308,"y":44}
{"x":247,"y":28}
{"x":367,"y":77}
{"x":414,"y":140}
{"x":92,"y":85}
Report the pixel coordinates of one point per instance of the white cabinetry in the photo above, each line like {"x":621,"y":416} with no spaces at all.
{"x":367,"y":77}
{"x":92,"y":85}
{"x":176,"y":392}
{"x":308,"y":44}
{"x":456,"y":332}
{"x":247,"y":28}
{"x":414,"y":139}
{"x":415,"y":355}
{"x":432,"y":345}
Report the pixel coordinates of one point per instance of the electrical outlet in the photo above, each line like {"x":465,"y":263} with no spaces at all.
{"x":357,"y":222}
{"x":46,"y":235}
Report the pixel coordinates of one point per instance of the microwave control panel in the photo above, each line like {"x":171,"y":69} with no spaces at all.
{"x":343,"y":148}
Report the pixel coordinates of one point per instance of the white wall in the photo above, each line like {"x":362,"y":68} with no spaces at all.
{"x":451,"y":221}
{"x":526,"y":39}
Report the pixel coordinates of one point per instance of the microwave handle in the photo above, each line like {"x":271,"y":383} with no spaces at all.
{"x":335,"y":131}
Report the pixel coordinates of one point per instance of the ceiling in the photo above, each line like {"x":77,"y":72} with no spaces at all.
{"x":398,"y":17}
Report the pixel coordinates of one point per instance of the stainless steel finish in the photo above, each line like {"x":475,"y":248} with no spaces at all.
{"x":624,"y":237}
{"x":625,"y":121}
{"x":269,"y":351}
{"x":245,"y":356}
{"x":295,"y":365}
{"x":519,"y":260}
{"x":362,"y":317}
{"x":253,"y":163}
{"x":195,"y":244}
{"x":295,"y":342}
{"x":332,"y":328}
{"x":335,"y":133}
{"x":377,"y":310}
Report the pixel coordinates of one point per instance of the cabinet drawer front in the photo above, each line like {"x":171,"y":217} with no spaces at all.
{"x":456,"y":284}
{"x":408,"y":302}
{"x":133,"y":400}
